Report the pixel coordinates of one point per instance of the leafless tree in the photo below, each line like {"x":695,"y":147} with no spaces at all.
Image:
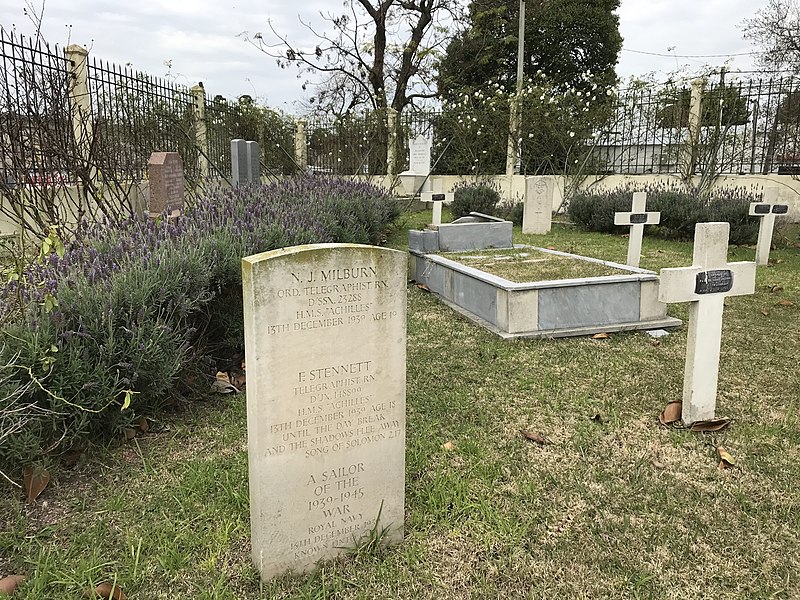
{"x":379,"y":54}
{"x":776,"y":30}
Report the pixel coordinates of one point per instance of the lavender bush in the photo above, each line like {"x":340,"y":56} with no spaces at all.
{"x":680,"y":210}
{"x":132,"y":306}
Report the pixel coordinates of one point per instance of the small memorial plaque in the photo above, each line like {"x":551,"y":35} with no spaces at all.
{"x":637,"y":218}
{"x":780,"y":209}
{"x":761,"y":209}
{"x":437,"y":197}
{"x":714,"y":282}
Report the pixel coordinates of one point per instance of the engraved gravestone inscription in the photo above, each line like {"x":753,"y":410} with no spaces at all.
{"x":325,"y":351}
{"x":637,"y":218}
{"x":713,"y":282}
{"x":165,"y":171}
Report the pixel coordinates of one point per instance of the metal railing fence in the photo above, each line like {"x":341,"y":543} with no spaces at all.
{"x":35,"y":125}
{"x":135,"y":114}
{"x":747,"y":126}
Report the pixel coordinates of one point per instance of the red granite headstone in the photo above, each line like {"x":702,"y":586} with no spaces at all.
{"x":165,"y":170}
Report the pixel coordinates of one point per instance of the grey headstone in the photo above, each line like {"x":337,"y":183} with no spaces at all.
{"x":254,"y":162}
{"x":240,"y":167}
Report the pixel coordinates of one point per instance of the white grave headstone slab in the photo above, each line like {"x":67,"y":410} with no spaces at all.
{"x":767,"y":209}
{"x":705,"y":284}
{"x":253,"y":162}
{"x":419,"y":155}
{"x":538,"y":209}
{"x":438,"y":199}
{"x":240,"y":165}
{"x":637,"y":219}
{"x":325,"y":345}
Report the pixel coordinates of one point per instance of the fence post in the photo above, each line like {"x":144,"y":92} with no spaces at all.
{"x":200,"y":128}
{"x":80,"y":101}
{"x":391,"y":146}
{"x":695,"y":113}
{"x":300,"y":148}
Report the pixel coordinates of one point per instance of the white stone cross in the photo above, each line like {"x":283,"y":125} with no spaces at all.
{"x":637,"y":219}
{"x":767,"y":209}
{"x":705,"y":284}
{"x":437,"y":198}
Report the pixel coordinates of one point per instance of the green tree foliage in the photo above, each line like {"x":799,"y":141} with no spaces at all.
{"x":246,"y":119}
{"x":571,"y":50}
{"x":563,"y":38}
{"x":721,"y":106}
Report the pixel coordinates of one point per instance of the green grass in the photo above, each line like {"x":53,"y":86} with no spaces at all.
{"x":528,"y":264}
{"x":615,"y":506}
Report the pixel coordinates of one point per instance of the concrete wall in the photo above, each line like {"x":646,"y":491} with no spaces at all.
{"x":512,"y":188}
{"x":139,"y":194}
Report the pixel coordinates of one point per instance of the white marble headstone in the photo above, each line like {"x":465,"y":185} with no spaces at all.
{"x":538,"y":209}
{"x":636,"y":219}
{"x":325,"y":345}
{"x":253,"y":162}
{"x":419,"y":159}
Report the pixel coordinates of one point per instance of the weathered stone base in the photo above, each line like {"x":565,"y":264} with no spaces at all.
{"x":559,"y":308}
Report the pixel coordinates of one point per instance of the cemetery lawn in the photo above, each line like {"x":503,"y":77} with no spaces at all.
{"x":612,"y":505}
{"x":528,"y":264}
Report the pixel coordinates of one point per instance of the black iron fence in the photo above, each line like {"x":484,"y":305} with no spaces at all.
{"x":134,"y":114}
{"x":243,"y":119}
{"x":748,"y":126}
{"x":724,"y":126}
{"x":36,"y":139}
{"x":349,"y":145}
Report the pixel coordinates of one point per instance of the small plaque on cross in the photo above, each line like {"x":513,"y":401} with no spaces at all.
{"x":714,"y":282}
{"x":766,"y":210}
{"x":637,"y":218}
{"x":762,"y":209}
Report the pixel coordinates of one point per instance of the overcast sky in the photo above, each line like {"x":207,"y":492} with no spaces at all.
{"x":204,"y":39}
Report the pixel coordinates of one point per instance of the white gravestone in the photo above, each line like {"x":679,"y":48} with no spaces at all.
{"x":240,"y":165}
{"x":325,"y":346}
{"x":437,"y":199}
{"x":637,"y":219}
{"x":767,"y":209}
{"x":253,"y":162}
{"x":705,"y":284}
{"x":419,"y":155}
{"x":538,"y":208}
